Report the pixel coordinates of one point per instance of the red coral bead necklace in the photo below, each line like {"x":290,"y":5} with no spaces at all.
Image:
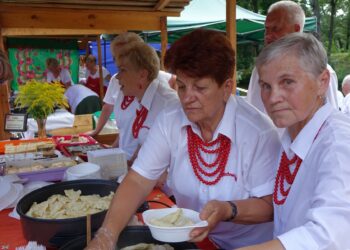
{"x":208,"y":173}
{"x":285,"y":175}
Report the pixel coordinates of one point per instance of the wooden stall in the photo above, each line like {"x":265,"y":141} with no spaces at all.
{"x":53,"y":18}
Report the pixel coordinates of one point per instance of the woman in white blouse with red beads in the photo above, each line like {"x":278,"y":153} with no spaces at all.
{"x":218,"y":149}
{"x":311,"y":196}
{"x":141,"y":97}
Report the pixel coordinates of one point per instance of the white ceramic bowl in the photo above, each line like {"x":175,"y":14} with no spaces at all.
{"x":172,"y":234}
{"x":84,"y":170}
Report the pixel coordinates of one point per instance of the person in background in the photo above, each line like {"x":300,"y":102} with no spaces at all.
{"x":82,"y":69}
{"x":346,"y":91}
{"x":311,"y":198}
{"x":114,"y":87}
{"x":138,"y":70}
{"x":82,"y":100}
{"x":93,"y":75}
{"x":217,"y":149}
{"x":285,"y":17}
{"x":346,"y":85}
{"x":55,"y":73}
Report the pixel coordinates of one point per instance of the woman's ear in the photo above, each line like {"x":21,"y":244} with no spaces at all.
{"x":144,"y":74}
{"x":323,"y":82}
{"x":228,"y":88}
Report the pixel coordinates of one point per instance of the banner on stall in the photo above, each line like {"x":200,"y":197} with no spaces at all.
{"x":28,"y":58}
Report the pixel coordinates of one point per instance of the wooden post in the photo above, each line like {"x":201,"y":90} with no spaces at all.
{"x":100,"y":67}
{"x":4,"y":99}
{"x":231,"y":33}
{"x":4,"y":109}
{"x":2,"y":42}
{"x":87,"y":49}
{"x":164,"y":39}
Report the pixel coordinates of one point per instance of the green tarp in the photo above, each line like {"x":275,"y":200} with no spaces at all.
{"x":28,"y":57}
{"x":211,"y":14}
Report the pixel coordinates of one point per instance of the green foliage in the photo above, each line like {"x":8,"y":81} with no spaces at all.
{"x":246,"y":54}
{"x":341,"y":25}
{"x":340,"y":62}
{"x":40,"y":98}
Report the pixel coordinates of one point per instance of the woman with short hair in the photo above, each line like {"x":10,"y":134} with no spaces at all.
{"x":217,"y":149}
{"x":55,"y":73}
{"x":311,"y":198}
{"x":93,"y":75}
{"x":138,"y":70}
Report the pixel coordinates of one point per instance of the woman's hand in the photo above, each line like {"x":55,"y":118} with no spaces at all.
{"x":103,"y":240}
{"x":213,"y":212}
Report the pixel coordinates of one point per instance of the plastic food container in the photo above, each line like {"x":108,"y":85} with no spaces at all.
{"x":81,"y":171}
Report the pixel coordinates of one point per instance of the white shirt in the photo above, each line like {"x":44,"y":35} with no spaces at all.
{"x":254,"y":143}
{"x":346,"y":105}
{"x":105,"y":73}
{"x":316,"y":212}
{"x":164,"y":77}
{"x":112,"y":91}
{"x":155,"y":99}
{"x":64,"y":77}
{"x":340,"y":98}
{"x":114,"y":87}
{"x":254,"y":95}
{"x":76,"y":93}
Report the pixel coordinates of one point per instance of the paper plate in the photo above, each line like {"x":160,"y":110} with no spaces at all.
{"x":11,"y":197}
{"x":5,"y":188}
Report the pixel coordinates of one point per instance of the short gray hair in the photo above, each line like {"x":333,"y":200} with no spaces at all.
{"x":141,"y":56}
{"x":124,"y":38}
{"x":346,"y":80}
{"x":310,"y":52}
{"x":296,"y":14}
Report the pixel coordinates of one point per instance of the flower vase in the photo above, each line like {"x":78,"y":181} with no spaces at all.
{"x":41,"y":128}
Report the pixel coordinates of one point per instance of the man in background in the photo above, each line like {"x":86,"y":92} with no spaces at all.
{"x":346,"y":91}
{"x":285,"y":17}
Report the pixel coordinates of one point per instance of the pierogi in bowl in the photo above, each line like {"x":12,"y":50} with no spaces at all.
{"x":172,"y":224}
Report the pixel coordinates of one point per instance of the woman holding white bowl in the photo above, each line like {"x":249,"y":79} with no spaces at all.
{"x":217,"y":147}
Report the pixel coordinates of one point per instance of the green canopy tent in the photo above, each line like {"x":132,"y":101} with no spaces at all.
{"x":211,"y":14}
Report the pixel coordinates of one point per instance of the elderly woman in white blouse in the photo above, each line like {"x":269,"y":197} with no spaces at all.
{"x":141,"y":97}
{"x":311,"y":197}
{"x":218,"y":150}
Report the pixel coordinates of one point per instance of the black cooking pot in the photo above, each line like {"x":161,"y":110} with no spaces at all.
{"x":131,"y":235}
{"x":55,"y":232}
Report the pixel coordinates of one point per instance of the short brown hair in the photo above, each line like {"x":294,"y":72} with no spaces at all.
{"x":52,"y":62}
{"x":141,"y":56}
{"x":91,"y":58}
{"x":122,"y":39}
{"x":5,"y":68}
{"x":202,"y":53}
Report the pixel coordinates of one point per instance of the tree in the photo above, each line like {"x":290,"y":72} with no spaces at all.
{"x":333,"y":4}
{"x":316,"y":10}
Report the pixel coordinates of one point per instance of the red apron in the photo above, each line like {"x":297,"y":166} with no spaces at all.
{"x":93,"y":84}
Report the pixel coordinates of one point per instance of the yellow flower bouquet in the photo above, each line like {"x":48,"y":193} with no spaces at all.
{"x":40,"y":99}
